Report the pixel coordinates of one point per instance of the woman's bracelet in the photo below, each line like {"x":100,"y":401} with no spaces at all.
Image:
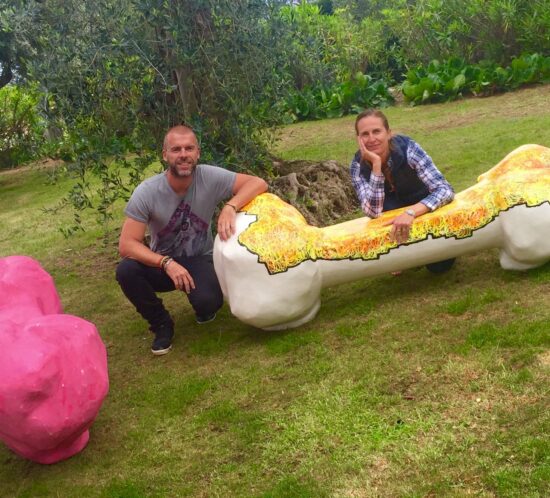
{"x":233,"y":206}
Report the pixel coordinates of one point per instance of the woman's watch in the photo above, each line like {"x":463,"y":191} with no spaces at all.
{"x":411,"y":212}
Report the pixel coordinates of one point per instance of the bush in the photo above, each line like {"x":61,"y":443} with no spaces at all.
{"x":438,"y":82}
{"x":350,"y":97}
{"x":21,"y":126}
{"x":476,"y":30}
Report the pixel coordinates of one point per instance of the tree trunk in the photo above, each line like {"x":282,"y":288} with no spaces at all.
{"x":6,"y":75}
{"x":186,"y":92}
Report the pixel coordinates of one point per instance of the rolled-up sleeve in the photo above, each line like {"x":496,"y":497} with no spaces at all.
{"x":370,"y":193}
{"x":441,"y":192}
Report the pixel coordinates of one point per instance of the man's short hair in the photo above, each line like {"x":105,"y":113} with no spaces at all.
{"x":181,"y":129}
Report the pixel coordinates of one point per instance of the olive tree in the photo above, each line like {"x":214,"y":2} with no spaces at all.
{"x":118,"y":73}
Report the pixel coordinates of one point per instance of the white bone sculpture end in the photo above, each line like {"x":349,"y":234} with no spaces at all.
{"x":273,"y":269}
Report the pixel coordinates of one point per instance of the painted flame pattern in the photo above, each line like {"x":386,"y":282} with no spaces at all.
{"x":282,"y":239}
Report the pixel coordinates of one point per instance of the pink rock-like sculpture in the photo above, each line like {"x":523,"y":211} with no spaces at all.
{"x":53,"y":367}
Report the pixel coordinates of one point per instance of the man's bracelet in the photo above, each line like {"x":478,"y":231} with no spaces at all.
{"x":164,"y":261}
{"x":229,"y":204}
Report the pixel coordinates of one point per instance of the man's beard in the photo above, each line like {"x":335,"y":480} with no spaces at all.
{"x":184,"y":174}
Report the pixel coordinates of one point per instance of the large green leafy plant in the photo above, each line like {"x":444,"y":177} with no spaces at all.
{"x":350,"y":97}
{"x":448,"y":80}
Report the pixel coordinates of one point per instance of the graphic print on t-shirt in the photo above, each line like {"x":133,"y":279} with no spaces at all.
{"x":185,"y":232}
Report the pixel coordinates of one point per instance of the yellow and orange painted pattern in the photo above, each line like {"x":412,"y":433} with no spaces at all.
{"x":282,"y":239}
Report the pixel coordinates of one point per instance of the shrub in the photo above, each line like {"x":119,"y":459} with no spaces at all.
{"x":21,"y":126}
{"x":334,"y":101}
{"x":438,"y":82}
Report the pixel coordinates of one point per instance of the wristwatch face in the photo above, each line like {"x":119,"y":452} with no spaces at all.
{"x":410,"y":212}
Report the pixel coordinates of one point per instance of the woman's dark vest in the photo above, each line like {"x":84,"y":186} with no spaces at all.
{"x":409,"y":189}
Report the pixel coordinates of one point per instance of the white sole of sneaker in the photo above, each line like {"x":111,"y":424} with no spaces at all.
{"x":160,"y":352}
{"x":206,"y":321}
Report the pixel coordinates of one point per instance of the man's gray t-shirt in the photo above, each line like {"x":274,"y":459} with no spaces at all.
{"x":181,"y":225}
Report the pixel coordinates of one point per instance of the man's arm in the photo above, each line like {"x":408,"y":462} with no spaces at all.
{"x":131,"y":245}
{"x":245,"y":188}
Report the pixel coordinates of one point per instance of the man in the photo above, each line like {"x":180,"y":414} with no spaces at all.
{"x":177,"y":207}
{"x":392,"y":171}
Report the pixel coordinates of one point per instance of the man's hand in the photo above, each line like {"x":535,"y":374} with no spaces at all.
{"x":245,"y":188}
{"x":226,"y":222}
{"x":401,"y":227}
{"x":180,"y":276}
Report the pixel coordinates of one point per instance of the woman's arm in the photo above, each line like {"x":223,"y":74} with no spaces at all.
{"x":371,"y":193}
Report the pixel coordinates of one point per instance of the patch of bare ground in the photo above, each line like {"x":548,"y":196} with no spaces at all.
{"x":544,"y":359}
{"x":41,"y":165}
{"x":91,"y":261}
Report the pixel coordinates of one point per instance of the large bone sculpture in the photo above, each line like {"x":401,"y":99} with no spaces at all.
{"x":273,"y":269}
{"x":53,"y":367}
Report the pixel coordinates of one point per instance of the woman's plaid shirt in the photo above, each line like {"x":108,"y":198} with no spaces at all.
{"x":371,"y":193}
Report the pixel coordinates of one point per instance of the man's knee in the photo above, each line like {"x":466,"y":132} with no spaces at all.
{"x":206,"y":301}
{"x":126,"y":270}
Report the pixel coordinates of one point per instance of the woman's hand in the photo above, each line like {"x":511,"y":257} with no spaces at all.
{"x":371,"y":157}
{"x":401,"y":224}
{"x":401,"y":227}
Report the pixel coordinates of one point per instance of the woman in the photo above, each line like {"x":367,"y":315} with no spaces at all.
{"x":393,"y":171}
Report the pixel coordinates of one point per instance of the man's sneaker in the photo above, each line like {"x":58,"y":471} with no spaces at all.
{"x":162,"y":343}
{"x":201,"y":319}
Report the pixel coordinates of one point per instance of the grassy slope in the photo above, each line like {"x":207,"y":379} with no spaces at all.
{"x":410,"y":386}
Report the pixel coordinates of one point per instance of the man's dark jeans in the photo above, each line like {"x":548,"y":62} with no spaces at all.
{"x":140,"y":283}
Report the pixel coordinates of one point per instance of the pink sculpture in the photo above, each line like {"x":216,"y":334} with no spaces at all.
{"x":53,"y":367}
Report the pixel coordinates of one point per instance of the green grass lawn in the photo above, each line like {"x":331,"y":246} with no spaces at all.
{"x":413,"y":386}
